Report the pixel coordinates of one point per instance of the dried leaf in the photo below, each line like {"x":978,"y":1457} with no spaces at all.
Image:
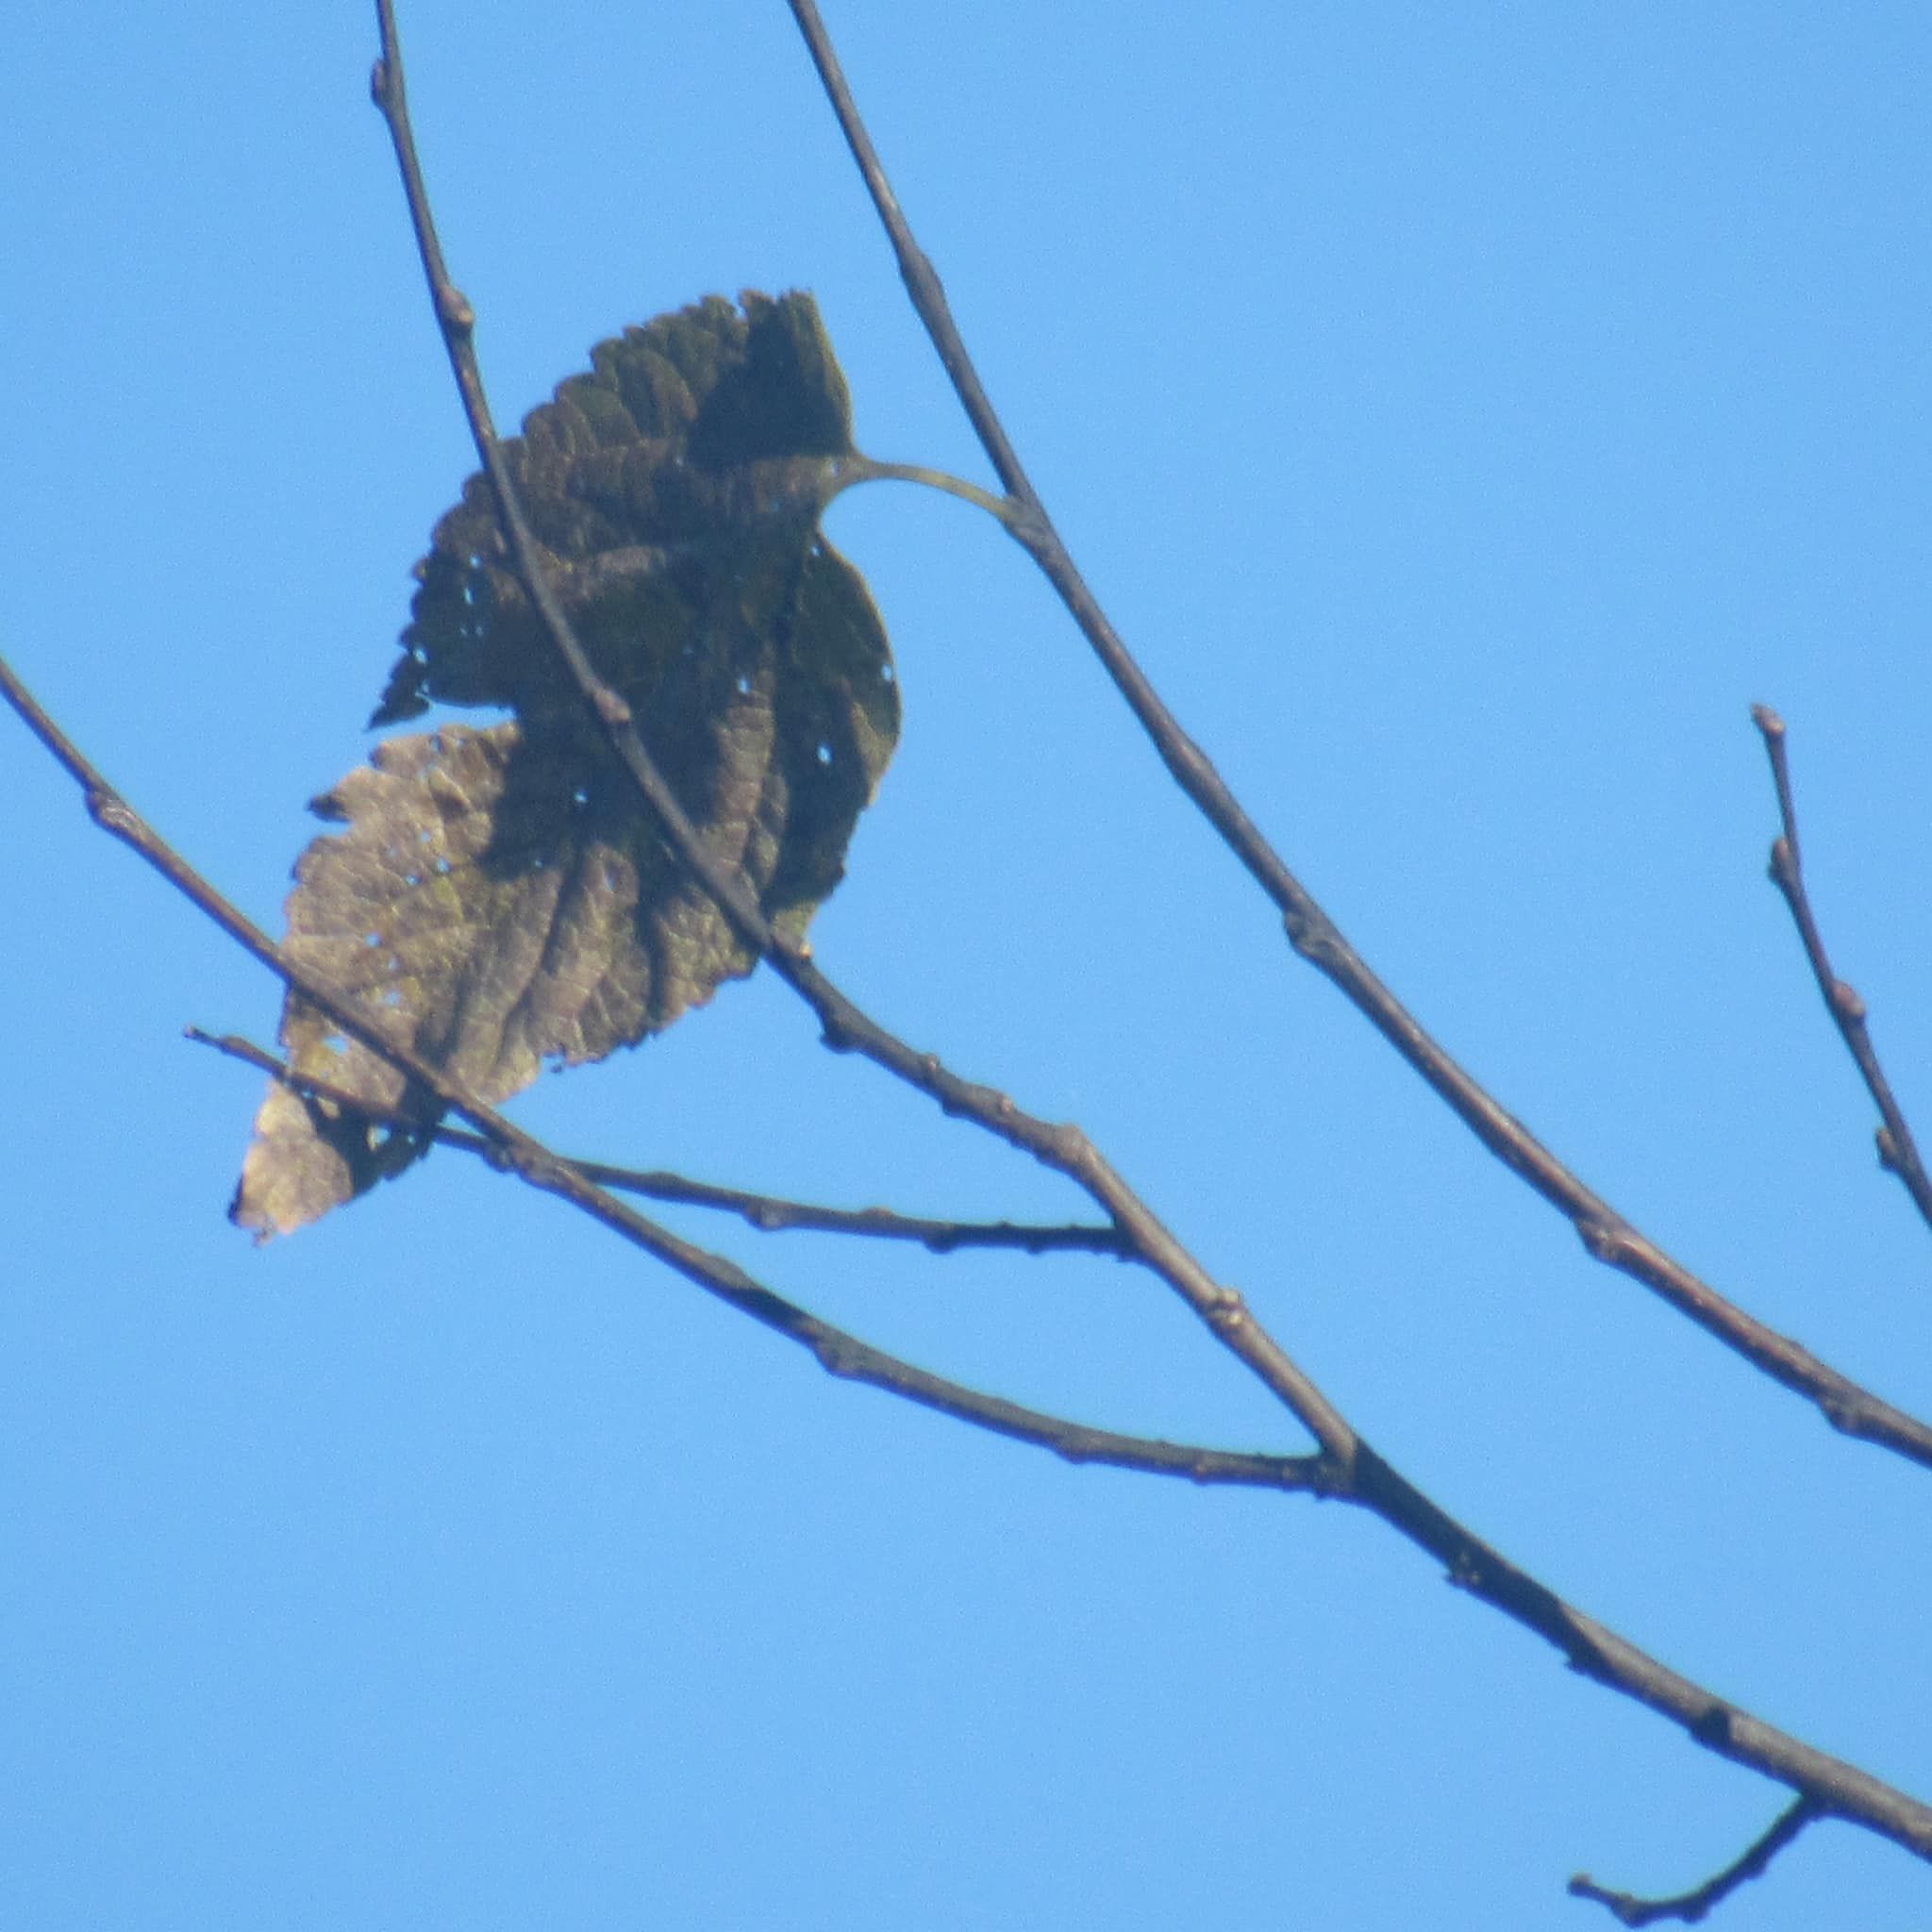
{"x":501,"y":896}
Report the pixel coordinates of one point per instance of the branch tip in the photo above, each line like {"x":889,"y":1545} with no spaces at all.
{"x":1898,"y":1152}
{"x":1690,"y":1908}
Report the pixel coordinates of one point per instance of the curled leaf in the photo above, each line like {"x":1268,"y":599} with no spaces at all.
{"x":501,"y":896}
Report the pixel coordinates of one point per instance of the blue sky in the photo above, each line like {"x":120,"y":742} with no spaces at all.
{"x":1466,"y":415}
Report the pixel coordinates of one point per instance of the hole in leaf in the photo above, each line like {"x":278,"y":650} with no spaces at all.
{"x":824,"y":752}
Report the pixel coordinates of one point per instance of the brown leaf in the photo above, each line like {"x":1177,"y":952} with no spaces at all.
{"x":501,"y":896}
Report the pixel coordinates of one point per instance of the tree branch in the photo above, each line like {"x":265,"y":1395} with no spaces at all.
{"x":510,"y":1150}
{"x":767,"y":1213}
{"x":1897,"y":1151}
{"x":1352,"y":1472}
{"x":1349,"y":1469}
{"x":1346,"y":1467}
{"x":1692,"y":1905}
{"x":1605,"y":1234}
{"x":1063,"y":1148}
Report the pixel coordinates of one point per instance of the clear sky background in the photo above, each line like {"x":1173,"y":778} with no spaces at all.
{"x":1466,"y":413}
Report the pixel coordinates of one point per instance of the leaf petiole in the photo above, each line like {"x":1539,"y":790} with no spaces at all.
{"x":861,"y":468}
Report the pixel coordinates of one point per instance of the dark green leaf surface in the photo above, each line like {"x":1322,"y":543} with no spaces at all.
{"x":501,"y":896}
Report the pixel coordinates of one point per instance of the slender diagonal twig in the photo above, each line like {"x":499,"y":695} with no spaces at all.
{"x":1897,"y":1151}
{"x":767,"y":1213}
{"x":1352,"y":1472}
{"x":1690,"y":1906}
{"x":1605,"y":1234}
{"x":518,"y":1153}
{"x":1349,"y":1469}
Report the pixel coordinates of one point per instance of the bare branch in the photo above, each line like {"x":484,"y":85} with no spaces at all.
{"x":771,"y":1214}
{"x":1348,"y":1468}
{"x":767,"y":1213}
{"x":1694,"y":1906}
{"x":915,"y":267}
{"x":845,"y":1027}
{"x":510,"y":1150}
{"x":1351,"y":1473}
{"x":1897,"y":1151}
{"x":1345,"y":1467}
{"x":1605,"y":1234}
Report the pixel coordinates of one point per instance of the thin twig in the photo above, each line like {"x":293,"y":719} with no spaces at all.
{"x":1604,"y":1233}
{"x":1897,"y":1151}
{"x":513,"y":1151}
{"x":916,"y":271}
{"x":1359,"y":1477}
{"x":1350,"y":1470}
{"x":1692,"y":1905}
{"x":767,"y":1213}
